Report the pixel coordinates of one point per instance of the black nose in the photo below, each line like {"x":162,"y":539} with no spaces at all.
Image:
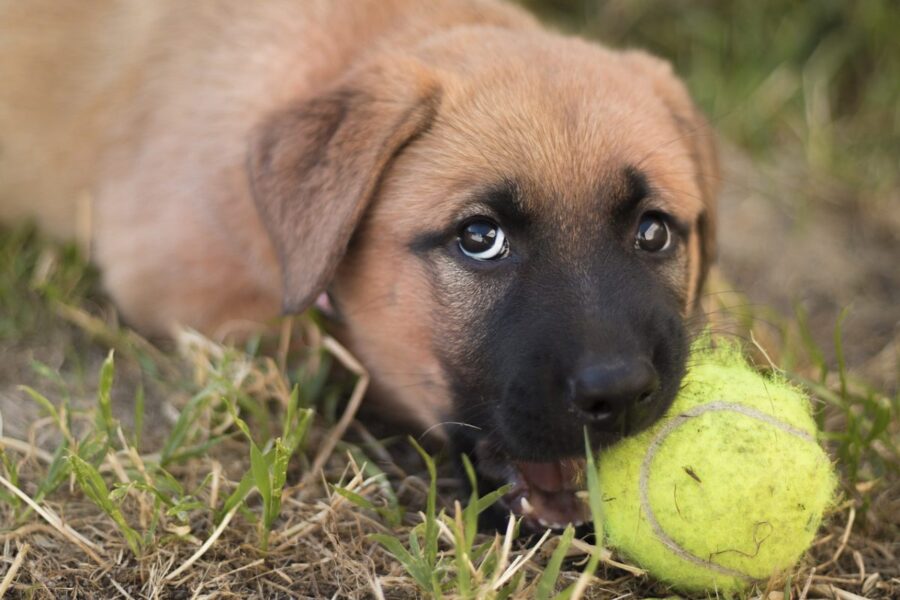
{"x":602,"y":391}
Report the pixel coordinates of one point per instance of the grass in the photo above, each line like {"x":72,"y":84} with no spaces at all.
{"x":219,"y":497}
{"x":194,"y":469}
{"x":218,"y":473}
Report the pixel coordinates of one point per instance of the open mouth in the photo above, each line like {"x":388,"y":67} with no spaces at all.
{"x":545,"y":494}
{"x":549,"y":494}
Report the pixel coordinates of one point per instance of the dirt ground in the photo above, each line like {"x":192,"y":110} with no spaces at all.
{"x":785,"y":241}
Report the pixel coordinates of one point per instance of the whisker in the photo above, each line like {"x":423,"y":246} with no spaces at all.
{"x":443,"y":423}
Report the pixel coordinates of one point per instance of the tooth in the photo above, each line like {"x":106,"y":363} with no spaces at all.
{"x":543,"y":522}
{"x":527,"y":508}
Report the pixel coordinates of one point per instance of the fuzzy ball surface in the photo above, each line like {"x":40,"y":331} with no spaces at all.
{"x":728,"y":488}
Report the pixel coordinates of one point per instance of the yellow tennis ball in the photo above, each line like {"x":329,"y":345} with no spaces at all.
{"x":728,"y":488}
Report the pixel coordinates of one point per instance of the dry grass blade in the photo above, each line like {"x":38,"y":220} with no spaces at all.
{"x":256,"y":563}
{"x":606,"y":557}
{"x":375,"y":585}
{"x":13,"y":570}
{"x":26,"y":449}
{"x":503,"y":559}
{"x":845,"y":537}
{"x":354,"y":366}
{"x":119,"y":587}
{"x":27,"y":530}
{"x":519,"y":562}
{"x":835,"y":593}
{"x":284,"y":342}
{"x":581,"y":585}
{"x":315,"y":521}
{"x":806,"y":586}
{"x":206,"y":545}
{"x":860,"y":564}
{"x":65,"y":530}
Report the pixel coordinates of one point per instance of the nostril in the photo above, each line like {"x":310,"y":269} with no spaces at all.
{"x":604,"y":391}
{"x":599,"y":410}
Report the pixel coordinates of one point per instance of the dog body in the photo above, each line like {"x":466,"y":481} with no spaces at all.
{"x":147,"y":111}
{"x":483,"y":200}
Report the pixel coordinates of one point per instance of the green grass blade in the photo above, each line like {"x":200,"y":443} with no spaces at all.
{"x":91,"y":483}
{"x":354,"y":498}
{"x":44,"y":403}
{"x":237,"y":496}
{"x":259,"y":467}
{"x":138,"y":416}
{"x":57,"y":472}
{"x":491,"y":498}
{"x":431,"y":526}
{"x":185,"y":421}
{"x":471,"y":512}
{"x":293,"y":405}
{"x":279,"y":477}
{"x":413,"y":539}
{"x":51,"y":375}
{"x":839,"y":350}
{"x":548,"y":578}
{"x":241,"y":424}
{"x":299,"y":427}
{"x":105,"y":419}
{"x":809,"y":343}
{"x":595,"y":496}
{"x":419,"y":571}
{"x":12,"y":473}
{"x":393,"y":512}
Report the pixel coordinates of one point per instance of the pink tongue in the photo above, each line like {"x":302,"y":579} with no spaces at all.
{"x":545,"y":476}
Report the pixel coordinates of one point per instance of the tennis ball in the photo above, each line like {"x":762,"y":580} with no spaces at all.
{"x":728,"y":488}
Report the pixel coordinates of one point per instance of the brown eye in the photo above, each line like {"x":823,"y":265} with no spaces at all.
{"x":652,"y":234}
{"x":482,"y":239}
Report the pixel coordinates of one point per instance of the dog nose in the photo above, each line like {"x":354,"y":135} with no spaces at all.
{"x":603,"y":391}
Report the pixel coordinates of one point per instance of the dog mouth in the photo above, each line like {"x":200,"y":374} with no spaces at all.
{"x":549,"y":494}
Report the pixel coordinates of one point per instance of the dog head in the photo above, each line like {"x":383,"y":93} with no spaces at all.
{"x":514,"y":229}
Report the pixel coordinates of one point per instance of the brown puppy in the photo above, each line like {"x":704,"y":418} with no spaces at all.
{"x":512,"y":224}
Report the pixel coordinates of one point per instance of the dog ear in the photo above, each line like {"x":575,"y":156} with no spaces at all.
{"x":314,"y":167}
{"x":699,"y":139}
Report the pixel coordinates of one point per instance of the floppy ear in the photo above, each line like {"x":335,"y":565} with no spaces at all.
{"x":700,"y":141}
{"x":314,"y":166}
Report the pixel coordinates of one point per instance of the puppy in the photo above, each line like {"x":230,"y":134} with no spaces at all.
{"x":512,"y":225}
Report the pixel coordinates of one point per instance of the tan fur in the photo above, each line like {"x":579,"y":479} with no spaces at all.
{"x":152,"y":110}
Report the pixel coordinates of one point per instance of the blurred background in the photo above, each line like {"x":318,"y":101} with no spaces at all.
{"x":806,"y":98}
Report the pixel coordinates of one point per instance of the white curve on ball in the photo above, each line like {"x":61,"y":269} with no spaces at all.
{"x":668,"y":428}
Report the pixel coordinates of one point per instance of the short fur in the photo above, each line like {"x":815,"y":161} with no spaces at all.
{"x":238,"y":157}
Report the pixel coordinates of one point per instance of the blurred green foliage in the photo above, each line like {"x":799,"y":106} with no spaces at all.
{"x":26,"y":266}
{"x":819,"y":79}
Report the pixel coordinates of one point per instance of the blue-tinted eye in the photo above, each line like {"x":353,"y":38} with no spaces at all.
{"x":482,"y":239}
{"x":652,"y":234}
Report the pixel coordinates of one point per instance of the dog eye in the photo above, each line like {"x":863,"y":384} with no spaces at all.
{"x":652,"y":234}
{"x":483,"y":239}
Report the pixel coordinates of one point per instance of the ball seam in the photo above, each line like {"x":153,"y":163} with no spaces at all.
{"x":659,"y":438}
